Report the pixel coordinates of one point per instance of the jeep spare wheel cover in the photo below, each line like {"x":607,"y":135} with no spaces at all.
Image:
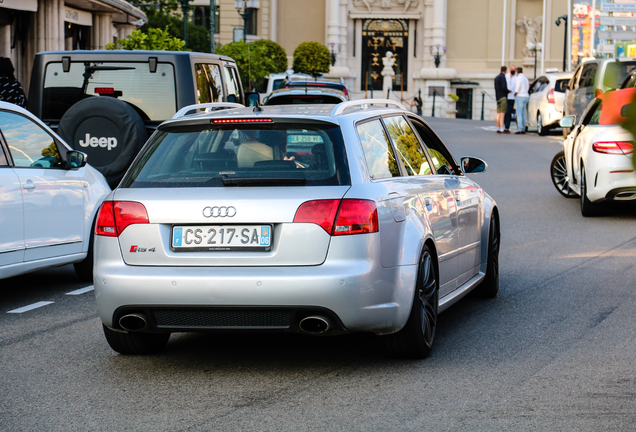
{"x":108,"y":130}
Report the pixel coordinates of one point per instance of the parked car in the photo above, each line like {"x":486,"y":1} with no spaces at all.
{"x":49,"y":198}
{"x":222,"y":225}
{"x":311,"y":83}
{"x":107,"y":103}
{"x":274,"y":81}
{"x":596,"y":162}
{"x":305,"y":95}
{"x":592,"y":78}
{"x":545,"y":105}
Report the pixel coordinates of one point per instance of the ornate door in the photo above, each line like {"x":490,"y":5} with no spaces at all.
{"x":378,"y":37}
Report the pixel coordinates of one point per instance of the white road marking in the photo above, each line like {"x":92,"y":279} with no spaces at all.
{"x":31,"y":307}
{"x":81,"y":290}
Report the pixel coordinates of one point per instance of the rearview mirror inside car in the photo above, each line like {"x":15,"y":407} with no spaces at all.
{"x":567,"y":121}
{"x":473,"y":165}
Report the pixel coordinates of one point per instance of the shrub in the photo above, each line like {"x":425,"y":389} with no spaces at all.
{"x":311,"y":58}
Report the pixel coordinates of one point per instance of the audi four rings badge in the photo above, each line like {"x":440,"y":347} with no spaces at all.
{"x":219,"y":212}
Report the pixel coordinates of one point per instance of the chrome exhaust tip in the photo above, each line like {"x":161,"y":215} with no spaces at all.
{"x":314,"y":325}
{"x":133,"y":322}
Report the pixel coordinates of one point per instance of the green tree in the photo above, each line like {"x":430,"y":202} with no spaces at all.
{"x":167,"y":17}
{"x":311,"y":58}
{"x":252,"y":61}
{"x":154,"y":40}
{"x":274,"y":51}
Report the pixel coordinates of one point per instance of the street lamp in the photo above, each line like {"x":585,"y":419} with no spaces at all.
{"x":437,"y":55}
{"x":565,"y":37}
{"x":184,"y":7}
{"x":334,"y":54}
{"x":245,"y":15}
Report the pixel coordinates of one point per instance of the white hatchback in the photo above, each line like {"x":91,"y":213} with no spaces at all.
{"x":49,"y":198}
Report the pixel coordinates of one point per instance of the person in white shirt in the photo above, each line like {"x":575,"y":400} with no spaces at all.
{"x":521,"y":99}
{"x":511,"y":80}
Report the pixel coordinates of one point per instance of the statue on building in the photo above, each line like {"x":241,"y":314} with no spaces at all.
{"x":387,"y":72}
{"x":532,"y":29}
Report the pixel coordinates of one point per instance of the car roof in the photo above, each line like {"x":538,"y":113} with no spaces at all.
{"x":349,"y":111}
{"x":308,"y":91}
{"x":129,"y":53}
{"x":559,"y":75}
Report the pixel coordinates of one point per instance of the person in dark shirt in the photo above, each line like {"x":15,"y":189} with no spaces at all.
{"x":501,"y":94}
{"x":10,"y":89}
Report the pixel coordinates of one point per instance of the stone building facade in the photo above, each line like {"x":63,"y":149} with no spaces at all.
{"x":31,"y":26}
{"x":471,"y":37}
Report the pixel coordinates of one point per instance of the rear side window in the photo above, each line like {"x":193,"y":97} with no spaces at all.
{"x":377,"y":150}
{"x":242,"y":155}
{"x":233,"y":86}
{"x":616,"y":72}
{"x":153,"y":95}
{"x":407,"y":146}
{"x":209,"y":84}
{"x":561,"y":85}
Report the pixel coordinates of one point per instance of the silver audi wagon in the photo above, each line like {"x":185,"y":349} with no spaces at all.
{"x":314,"y":219}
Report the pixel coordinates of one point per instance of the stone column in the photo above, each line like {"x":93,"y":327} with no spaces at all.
{"x":273,"y":20}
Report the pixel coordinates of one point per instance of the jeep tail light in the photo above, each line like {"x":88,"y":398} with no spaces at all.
{"x":115,"y":216}
{"x":551,"y":96}
{"x":613,"y":147}
{"x":340,"y":217}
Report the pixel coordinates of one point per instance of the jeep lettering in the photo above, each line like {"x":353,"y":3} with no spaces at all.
{"x":110,"y":142}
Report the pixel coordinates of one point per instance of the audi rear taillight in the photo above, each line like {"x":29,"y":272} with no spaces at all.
{"x":613,"y":147}
{"x":551,"y":96}
{"x":340,"y":217}
{"x":115,"y":216}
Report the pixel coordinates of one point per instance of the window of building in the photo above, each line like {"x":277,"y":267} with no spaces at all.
{"x":252,"y":23}
{"x":201,"y":16}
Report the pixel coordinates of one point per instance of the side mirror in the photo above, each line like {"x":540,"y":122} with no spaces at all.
{"x":473,"y":165}
{"x":252,"y":99}
{"x":567,"y":121}
{"x":75,"y":159}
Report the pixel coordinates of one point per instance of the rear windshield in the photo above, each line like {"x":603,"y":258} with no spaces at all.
{"x":561,"y":85}
{"x":616,"y":72}
{"x":242,"y":155}
{"x":303,"y":100}
{"x":151,"y":94}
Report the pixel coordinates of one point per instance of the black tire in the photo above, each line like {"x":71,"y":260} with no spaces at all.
{"x":588,"y":208}
{"x":541,"y":130}
{"x":415,"y":339}
{"x":118,"y":127}
{"x":135,"y":343}
{"x":489,"y":287}
{"x":559,"y":175}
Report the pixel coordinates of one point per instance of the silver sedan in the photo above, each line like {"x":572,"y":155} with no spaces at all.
{"x":322,"y":220}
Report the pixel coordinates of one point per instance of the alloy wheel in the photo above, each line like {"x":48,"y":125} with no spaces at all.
{"x":560,"y":178}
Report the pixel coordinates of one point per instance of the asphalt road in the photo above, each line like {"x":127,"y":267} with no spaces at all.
{"x":554,"y":351}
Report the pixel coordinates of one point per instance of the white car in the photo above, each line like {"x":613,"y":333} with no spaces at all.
{"x":547,"y":96}
{"x":596,"y":162}
{"x":48,"y":198}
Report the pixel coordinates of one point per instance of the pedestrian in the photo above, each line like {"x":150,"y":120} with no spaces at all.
{"x":501,"y":94}
{"x":418,"y":104}
{"x":511,"y":80}
{"x":10,"y":89}
{"x":521,"y":99}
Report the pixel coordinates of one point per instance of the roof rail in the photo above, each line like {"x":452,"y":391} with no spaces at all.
{"x":339,"y":109}
{"x":208,"y":107}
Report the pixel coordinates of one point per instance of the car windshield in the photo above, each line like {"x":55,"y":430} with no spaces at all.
{"x":242,"y":155}
{"x":151,"y":94}
{"x":303,"y":100}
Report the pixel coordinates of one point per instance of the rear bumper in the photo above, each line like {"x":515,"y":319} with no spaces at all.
{"x":615,"y":181}
{"x":355,"y":291}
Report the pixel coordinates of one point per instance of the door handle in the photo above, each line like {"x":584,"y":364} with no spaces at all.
{"x":29,"y":185}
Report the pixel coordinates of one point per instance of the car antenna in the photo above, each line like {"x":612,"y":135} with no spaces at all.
{"x":257,"y":107}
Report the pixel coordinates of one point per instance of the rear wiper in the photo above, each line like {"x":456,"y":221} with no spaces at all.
{"x":262,"y":181}
{"x":88,"y":72}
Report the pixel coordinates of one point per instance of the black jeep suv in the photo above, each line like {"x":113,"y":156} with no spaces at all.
{"x":107,"y":103}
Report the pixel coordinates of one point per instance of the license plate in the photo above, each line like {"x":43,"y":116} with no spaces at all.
{"x":221,"y":237}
